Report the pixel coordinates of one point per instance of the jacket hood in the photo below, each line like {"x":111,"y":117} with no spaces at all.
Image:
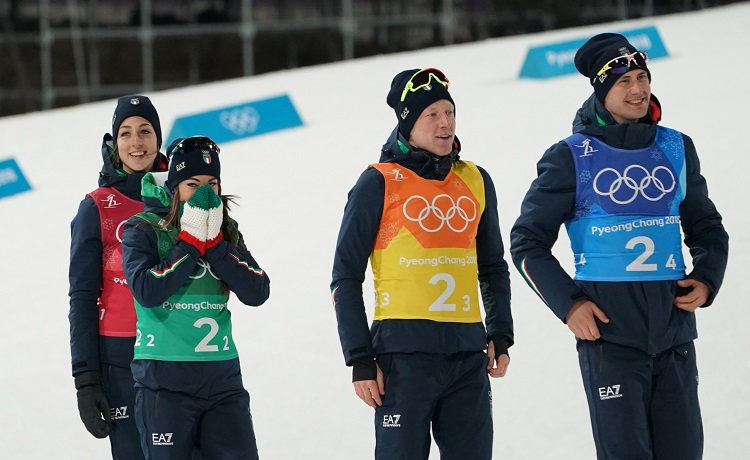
{"x":594,"y":119}
{"x":428,"y":165}
{"x":154,"y":194}
{"x":110,"y":175}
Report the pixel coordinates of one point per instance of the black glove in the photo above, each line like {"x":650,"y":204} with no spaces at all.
{"x":92,"y":404}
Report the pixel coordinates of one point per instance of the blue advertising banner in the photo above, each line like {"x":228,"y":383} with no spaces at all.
{"x":556,"y":59}
{"x":12,"y":180}
{"x":239,"y":121}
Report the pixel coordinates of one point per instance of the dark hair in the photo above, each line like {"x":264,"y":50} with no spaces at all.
{"x":114,"y":157}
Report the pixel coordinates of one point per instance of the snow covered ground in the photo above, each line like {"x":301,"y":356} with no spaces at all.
{"x":293,"y":186}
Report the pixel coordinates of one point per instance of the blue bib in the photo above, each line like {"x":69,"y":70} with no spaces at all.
{"x":626,"y":223}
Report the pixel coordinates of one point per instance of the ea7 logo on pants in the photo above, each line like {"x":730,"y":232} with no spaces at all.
{"x":118,"y":413}
{"x":162,"y":439}
{"x":610,"y":392}
{"x":391,"y":421}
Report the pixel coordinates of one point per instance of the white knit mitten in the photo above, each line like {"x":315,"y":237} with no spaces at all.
{"x":194,"y":218}
{"x":215,"y":219}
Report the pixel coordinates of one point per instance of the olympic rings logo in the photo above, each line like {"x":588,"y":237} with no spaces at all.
{"x":455,"y":210}
{"x":118,"y":231}
{"x":240,"y":120}
{"x":637,"y":186}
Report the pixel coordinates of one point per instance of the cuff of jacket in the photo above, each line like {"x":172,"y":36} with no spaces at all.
{"x":364,"y":369}
{"x":501,"y":344}
{"x":87,"y":379}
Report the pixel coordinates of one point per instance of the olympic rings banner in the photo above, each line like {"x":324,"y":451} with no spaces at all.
{"x":239,"y":121}
{"x":556,"y":59}
{"x":12,"y":180}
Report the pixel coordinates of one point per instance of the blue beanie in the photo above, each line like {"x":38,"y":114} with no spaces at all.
{"x":191,"y":160}
{"x":131,"y":106}
{"x":596,"y":52}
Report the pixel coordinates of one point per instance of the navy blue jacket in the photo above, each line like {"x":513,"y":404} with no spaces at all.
{"x":641,"y":313}
{"x":89,"y":349}
{"x":355,"y":243}
{"x":234,"y":265}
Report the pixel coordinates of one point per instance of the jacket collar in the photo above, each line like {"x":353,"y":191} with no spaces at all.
{"x":594,"y":120}
{"x":425,"y":164}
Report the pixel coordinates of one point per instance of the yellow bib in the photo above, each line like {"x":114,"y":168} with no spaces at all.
{"x":425,"y":261}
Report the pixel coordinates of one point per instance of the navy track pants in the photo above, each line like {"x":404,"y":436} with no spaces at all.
{"x":124,"y":438}
{"x":450,"y":392}
{"x":175,"y":425}
{"x":642,"y":406}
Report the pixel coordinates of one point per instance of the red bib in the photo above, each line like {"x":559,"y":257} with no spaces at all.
{"x":116,"y":308}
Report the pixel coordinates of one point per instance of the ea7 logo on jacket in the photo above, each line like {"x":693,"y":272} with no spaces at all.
{"x":118,"y":413}
{"x":391,"y":421}
{"x":610,"y":392}
{"x":162,"y":439}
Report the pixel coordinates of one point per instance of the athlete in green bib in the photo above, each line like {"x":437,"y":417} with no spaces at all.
{"x":182,"y":256}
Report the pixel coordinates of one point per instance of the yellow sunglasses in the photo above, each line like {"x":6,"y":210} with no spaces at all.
{"x":423,"y":79}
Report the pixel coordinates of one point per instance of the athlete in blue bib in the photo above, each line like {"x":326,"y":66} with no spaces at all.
{"x":628,"y":192}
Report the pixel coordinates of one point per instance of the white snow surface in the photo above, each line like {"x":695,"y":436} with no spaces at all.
{"x":293,"y":185}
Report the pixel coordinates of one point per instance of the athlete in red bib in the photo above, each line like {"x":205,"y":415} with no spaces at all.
{"x":102,"y":313}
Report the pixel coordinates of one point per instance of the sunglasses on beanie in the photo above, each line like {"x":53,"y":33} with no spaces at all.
{"x":623,"y":64}
{"x":423,"y":79}
{"x":194,"y":144}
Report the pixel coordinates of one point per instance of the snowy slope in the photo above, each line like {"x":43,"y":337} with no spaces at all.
{"x":293,"y":186}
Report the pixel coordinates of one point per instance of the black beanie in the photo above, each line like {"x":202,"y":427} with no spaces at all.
{"x":131,"y":106}
{"x":191,"y":160}
{"x":415,"y":102}
{"x":600,"y":49}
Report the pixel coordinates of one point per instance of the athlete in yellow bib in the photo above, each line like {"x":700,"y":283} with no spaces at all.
{"x":428,"y":224}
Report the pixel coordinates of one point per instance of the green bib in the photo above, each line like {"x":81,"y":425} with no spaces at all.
{"x":194,"y":323}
